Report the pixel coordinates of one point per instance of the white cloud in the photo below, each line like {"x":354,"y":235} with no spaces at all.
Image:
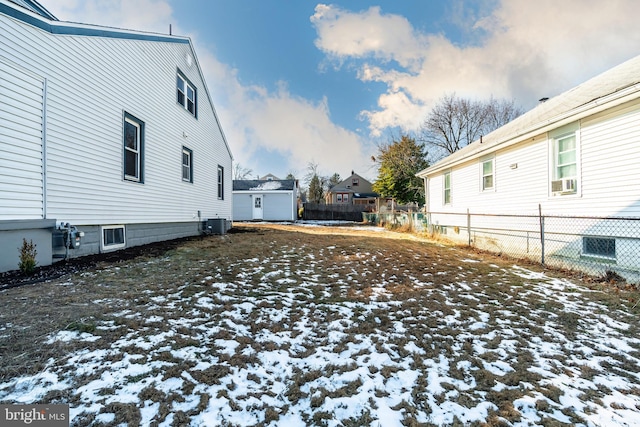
{"x":524,"y":50}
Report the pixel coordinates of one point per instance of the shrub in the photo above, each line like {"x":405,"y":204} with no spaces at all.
{"x":28,"y":254}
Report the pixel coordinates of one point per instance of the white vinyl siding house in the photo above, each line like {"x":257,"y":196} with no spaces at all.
{"x":96,"y":131}
{"x":574,"y":155}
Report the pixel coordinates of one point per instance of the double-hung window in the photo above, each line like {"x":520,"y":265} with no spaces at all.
{"x":133,"y":148}
{"x":447,"y":188}
{"x":220,"y":182}
{"x":186,"y":94}
{"x":487,"y":174}
{"x":187,"y":164}
{"x":564,"y":164}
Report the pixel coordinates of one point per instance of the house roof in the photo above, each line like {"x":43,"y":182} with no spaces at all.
{"x":613,"y":87}
{"x":35,"y":7}
{"x":345,"y":185}
{"x":264,"y":185}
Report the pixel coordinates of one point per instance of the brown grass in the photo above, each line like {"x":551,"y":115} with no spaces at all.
{"x":439,"y":297}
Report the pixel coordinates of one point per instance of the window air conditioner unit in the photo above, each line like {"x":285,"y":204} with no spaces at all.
{"x":564,"y":186}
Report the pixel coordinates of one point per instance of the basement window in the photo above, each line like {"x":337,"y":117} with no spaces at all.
{"x":599,"y":247}
{"x":113,"y":237}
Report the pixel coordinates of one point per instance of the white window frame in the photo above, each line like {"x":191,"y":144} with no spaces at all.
{"x":188,"y":166}
{"x":104,"y":246}
{"x":138,"y":151}
{"x":446,"y":200}
{"x":570,"y":131}
{"x":186,"y":94}
{"x":338,"y":197}
{"x":483,"y":175}
{"x":220,"y":182}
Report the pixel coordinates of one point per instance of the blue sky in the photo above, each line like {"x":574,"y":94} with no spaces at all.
{"x":301,"y":81}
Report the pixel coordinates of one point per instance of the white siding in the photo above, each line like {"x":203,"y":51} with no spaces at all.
{"x":91,"y":82}
{"x":21,"y":159}
{"x":609,"y":185}
{"x":520,"y":181}
{"x":611,"y":164}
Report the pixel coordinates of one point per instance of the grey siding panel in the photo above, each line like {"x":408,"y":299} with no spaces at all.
{"x":277,"y":207}
{"x":242,"y":207}
{"x":21,"y":155}
{"x":91,"y":82}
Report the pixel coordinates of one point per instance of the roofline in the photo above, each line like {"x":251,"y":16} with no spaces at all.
{"x":38,"y":8}
{"x":57,"y":27}
{"x":262,"y":191}
{"x":598,"y":105}
{"x":206,"y":90}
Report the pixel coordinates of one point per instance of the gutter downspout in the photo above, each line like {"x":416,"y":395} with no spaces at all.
{"x":44,"y":149}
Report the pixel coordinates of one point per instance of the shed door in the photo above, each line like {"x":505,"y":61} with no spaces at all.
{"x":257,"y":207}
{"x":21,"y":156}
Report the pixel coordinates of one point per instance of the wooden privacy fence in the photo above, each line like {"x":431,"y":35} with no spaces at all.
{"x":317,"y":211}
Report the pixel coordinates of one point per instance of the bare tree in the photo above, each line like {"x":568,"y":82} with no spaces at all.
{"x":240,"y":172}
{"x":456,"y":122}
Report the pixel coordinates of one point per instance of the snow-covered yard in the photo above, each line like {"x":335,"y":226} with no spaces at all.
{"x":279,"y":327}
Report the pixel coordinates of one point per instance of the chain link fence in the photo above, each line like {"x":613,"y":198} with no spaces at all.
{"x":598,"y":246}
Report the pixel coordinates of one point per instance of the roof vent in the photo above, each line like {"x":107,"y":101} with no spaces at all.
{"x":542,"y":100}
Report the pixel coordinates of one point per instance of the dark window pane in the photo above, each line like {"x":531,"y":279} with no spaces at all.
{"x":191,"y":107}
{"x":130,"y":136}
{"x":108,"y":237}
{"x":131,"y":164}
{"x":601,"y":247}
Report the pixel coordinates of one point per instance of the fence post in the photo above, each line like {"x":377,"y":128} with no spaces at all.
{"x":541,"y":233}
{"x":469,"y":226}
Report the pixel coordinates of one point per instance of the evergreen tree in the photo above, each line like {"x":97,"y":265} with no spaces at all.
{"x":334,"y":180}
{"x":398,"y":164}
{"x":316,"y":192}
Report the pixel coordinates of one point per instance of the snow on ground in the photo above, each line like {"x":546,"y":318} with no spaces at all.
{"x":285,"y":345}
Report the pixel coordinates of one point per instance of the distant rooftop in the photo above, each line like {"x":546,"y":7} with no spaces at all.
{"x":264,"y":184}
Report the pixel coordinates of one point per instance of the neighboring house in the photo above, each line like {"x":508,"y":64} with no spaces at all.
{"x":354,"y":190}
{"x":574,"y":155}
{"x":269,"y":177}
{"x":110,"y":131}
{"x":268,"y":200}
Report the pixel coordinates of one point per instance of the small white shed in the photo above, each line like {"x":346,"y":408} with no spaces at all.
{"x":265,"y":200}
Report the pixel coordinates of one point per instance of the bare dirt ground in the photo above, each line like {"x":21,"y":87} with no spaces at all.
{"x":288,"y":325}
